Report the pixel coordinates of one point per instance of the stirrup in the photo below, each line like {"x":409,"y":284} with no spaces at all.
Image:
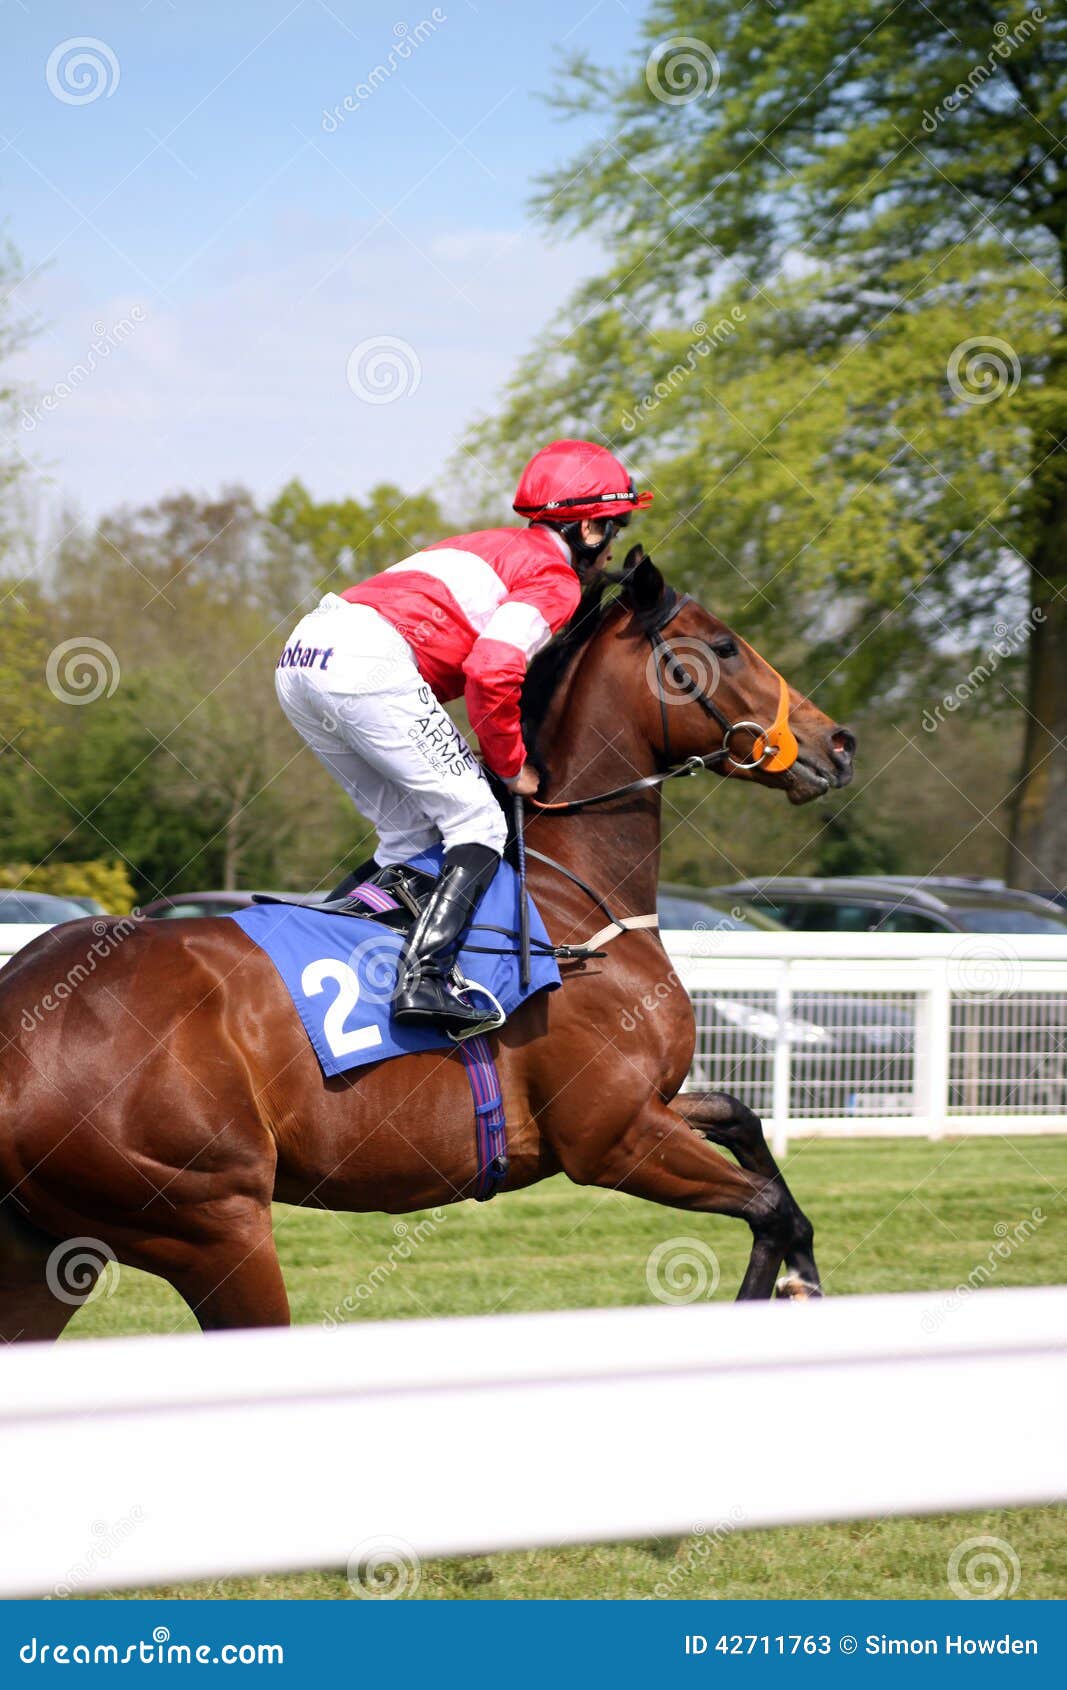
{"x":490,"y":1024}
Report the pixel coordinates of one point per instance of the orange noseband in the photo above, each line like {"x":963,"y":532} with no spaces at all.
{"x":779,"y":737}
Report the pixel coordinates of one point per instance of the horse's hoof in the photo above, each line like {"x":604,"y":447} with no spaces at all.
{"x":797,"y":1290}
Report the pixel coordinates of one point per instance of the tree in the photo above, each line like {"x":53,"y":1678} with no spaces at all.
{"x":832,"y":333}
{"x":138,"y":697}
{"x":346,"y":540}
{"x":13,"y":335}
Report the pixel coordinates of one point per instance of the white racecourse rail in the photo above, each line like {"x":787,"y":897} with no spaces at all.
{"x":134,"y":1461}
{"x":866,"y":1034}
{"x":880,"y":1034}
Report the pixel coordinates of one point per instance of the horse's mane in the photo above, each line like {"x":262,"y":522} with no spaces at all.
{"x":553,"y":661}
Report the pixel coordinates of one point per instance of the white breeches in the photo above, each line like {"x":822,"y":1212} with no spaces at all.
{"x":349,"y":684}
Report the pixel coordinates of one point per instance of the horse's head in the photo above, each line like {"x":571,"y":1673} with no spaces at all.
{"x":707,"y":688}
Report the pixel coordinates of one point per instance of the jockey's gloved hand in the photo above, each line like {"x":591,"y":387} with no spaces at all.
{"x":525,"y":783}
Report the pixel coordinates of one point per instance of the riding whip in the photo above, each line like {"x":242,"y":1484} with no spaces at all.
{"x":519,"y":813}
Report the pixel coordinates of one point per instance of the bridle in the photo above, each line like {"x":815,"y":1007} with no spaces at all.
{"x":774,"y":748}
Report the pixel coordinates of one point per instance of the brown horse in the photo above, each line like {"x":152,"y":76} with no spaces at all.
{"x":157,"y":1090}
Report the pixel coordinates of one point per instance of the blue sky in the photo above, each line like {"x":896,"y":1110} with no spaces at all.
{"x":215,"y":247}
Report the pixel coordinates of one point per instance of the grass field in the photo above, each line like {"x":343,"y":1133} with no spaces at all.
{"x":889,"y":1216}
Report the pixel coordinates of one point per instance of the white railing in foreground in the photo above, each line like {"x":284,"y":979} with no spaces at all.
{"x":145,"y":1460}
{"x":864,"y":1034}
{"x":880,"y":1034}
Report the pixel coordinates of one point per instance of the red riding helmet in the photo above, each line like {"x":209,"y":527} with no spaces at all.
{"x":575,"y":479}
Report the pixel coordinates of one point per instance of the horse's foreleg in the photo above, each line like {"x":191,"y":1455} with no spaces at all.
{"x":660,"y":1158}
{"x":232,"y":1280}
{"x":725,"y":1120}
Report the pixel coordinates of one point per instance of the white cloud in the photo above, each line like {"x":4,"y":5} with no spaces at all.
{"x":245,"y":379}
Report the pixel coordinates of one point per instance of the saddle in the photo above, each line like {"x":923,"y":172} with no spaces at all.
{"x":395,"y":897}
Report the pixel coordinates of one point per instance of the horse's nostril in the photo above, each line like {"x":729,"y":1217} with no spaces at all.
{"x":843,"y":747}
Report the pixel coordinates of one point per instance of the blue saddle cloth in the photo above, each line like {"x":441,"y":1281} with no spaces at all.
{"x":340,"y":970}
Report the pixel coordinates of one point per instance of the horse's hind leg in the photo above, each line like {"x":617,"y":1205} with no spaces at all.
{"x":725,"y":1120}
{"x":43,"y":1281}
{"x":658,"y":1157}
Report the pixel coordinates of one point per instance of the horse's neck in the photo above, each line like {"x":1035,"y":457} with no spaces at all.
{"x":592,"y":743}
{"x":616,"y":850}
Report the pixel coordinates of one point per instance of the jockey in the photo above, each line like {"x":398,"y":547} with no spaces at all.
{"x":364,"y":676}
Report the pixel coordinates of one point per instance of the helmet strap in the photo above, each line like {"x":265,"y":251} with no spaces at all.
{"x":582,"y":552}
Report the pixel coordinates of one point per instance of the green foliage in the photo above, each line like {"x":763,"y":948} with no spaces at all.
{"x":184,"y":770}
{"x":25,"y":716}
{"x":817,"y":129}
{"x":829,"y":332}
{"x":346,"y":540}
{"x":108,"y":882}
{"x":13,"y":335}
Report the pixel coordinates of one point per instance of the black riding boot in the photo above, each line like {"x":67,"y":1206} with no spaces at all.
{"x":423,"y":992}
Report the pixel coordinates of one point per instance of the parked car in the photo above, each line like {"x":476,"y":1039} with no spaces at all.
{"x":91,"y":906}
{"x":195,"y":904}
{"x":897,"y":904}
{"x":851,"y":1054}
{"x":190,"y":904}
{"x":42,"y":909}
{"x":687,"y":909}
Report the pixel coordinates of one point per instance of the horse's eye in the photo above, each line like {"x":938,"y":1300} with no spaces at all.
{"x":724,"y":648}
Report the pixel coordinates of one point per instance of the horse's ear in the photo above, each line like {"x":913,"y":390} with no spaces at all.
{"x":643,"y":584}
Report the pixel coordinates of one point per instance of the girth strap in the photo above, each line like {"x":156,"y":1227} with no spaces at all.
{"x":490,"y":1121}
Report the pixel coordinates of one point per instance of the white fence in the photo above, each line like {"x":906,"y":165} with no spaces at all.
{"x":878,"y":1034}
{"x":157,"y":1453}
{"x":881,"y":1034}
{"x":135,"y":1461}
